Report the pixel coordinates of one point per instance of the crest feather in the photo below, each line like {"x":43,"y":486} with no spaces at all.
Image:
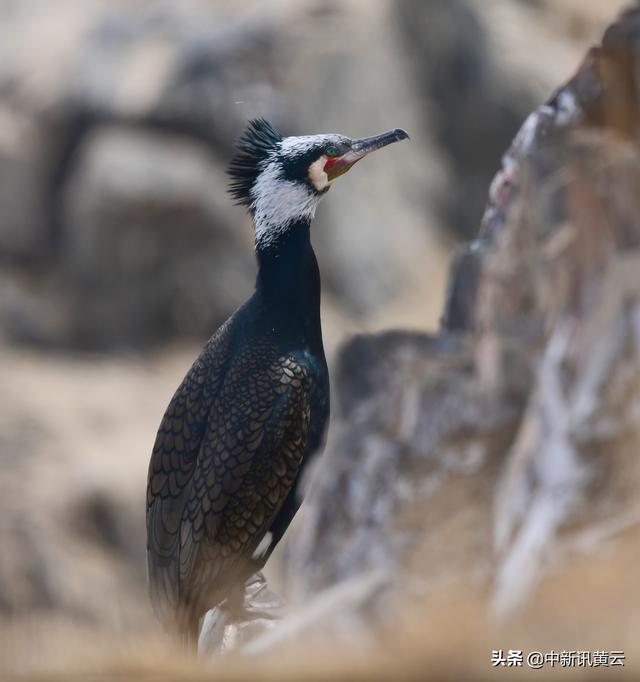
{"x":254,"y":146}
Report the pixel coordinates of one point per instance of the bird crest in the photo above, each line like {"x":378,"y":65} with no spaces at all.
{"x":254,"y":146}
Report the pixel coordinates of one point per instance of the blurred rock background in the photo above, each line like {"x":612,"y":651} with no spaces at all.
{"x":120,"y":252}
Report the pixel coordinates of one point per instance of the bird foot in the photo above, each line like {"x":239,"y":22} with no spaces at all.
{"x":236,"y":621}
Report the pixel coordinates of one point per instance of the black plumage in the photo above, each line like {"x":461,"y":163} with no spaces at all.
{"x":231,"y":448}
{"x":255,"y":145}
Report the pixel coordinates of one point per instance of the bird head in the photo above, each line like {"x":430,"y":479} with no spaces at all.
{"x":282,"y":179}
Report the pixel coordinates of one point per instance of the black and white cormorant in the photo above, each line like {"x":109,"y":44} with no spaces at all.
{"x":222,"y":485}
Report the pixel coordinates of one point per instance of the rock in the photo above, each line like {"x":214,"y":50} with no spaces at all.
{"x":150,"y":240}
{"x":484,"y":457}
{"x":469,"y":103}
{"x":21,"y":223}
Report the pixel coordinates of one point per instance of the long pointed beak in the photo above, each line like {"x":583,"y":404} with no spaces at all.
{"x":361,"y":148}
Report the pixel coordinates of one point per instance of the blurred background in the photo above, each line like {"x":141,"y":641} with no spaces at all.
{"x":120,"y":251}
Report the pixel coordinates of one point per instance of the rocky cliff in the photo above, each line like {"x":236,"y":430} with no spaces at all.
{"x":498,"y":457}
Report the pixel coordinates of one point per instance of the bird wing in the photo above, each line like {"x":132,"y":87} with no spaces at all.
{"x":172,"y":466}
{"x":250,"y":452}
{"x":319,"y":400}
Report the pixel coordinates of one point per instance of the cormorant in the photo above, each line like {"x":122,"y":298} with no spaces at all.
{"x":230,"y":450}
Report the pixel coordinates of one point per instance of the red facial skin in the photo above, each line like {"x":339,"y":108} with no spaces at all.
{"x":330,"y":163}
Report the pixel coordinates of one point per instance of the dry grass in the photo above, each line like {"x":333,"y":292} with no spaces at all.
{"x":586,"y":604}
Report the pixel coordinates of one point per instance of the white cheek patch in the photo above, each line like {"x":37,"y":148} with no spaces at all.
{"x":317,"y":176}
{"x":277,"y":203}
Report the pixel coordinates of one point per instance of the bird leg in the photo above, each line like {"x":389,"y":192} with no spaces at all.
{"x":247,"y":613}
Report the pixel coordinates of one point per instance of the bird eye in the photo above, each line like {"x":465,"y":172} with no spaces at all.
{"x":332,"y":151}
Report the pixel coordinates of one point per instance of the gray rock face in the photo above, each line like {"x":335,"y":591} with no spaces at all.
{"x":471,"y":107}
{"x":411,"y":417}
{"x":149,"y":238}
{"x":483,"y":457}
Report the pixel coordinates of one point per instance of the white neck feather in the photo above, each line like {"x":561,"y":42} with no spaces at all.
{"x":279,"y":203}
